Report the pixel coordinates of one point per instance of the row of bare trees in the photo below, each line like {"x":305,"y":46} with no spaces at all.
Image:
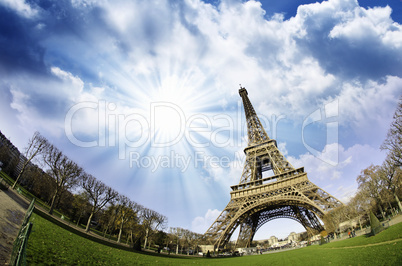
{"x":138,"y":224}
{"x":96,"y":204}
{"x":379,"y":186}
{"x":184,"y":239}
{"x":114,"y":214}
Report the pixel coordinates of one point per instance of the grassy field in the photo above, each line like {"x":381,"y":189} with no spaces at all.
{"x":50,"y":244}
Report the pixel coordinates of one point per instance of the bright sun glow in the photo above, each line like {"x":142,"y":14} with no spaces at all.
{"x":171,"y":105}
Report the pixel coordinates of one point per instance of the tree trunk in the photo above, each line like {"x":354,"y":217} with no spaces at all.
{"x":19,"y":175}
{"x":57,"y":204}
{"x":78,"y":222}
{"x":132,"y":237}
{"x":53,"y":201}
{"x":112,"y":226}
{"x":146,"y":238}
{"x":382,"y":213}
{"x":121,"y":229}
{"x":390,"y":207}
{"x":105,"y":231}
{"x":89,"y":222}
{"x":398,"y":201}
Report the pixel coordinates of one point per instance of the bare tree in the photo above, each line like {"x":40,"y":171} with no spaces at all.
{"x":360,"y":203}
{"x":369,"y":181}
{"x":65,"y":172}
{"x":108,"y":217}
{"x":99,"y":195}
{"x":391,"y":175}
{"x":190,"y":239}
{"x":194,"y":240}
{"x":333,"y":218}
{"x":127,"y":210}
{"x":39,"y":183}
{"x":123,"y":213}
{"x":393,"y":141}
{"x":135,"y":228}
{"x":184,"y":239}
{"x":176,"y":232}
{"x":151,"y":220}
{"x":36,"y":145}
{"x":81,"y":205}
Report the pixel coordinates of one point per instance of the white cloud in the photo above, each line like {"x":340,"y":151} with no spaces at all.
{"x":282,"y":148}
{"x":234,"y":39}
{"x":29,"y":116}
{"x":21,"y":7}
{"x":201,"y":224}
{"x":340,"y":179}
{"x":364,"y":25}
{"x":74,"y":83}
{"x":84,"y":3}
{"x":373,"y":103}
{"x":41,"y":104}
{"x":20,"y":100}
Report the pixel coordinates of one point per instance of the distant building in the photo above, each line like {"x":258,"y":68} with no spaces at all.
{"x":293,"y":237}
{"x":206,"y":248}
{"x":14,"y":153}
{"x":247,"y":251}
{"x":272,"y":240}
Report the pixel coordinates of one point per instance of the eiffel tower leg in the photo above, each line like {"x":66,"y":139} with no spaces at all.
{"x":247,"y":231}
{"x":315,"y":224}
{"x":244,"y":236}
{"x":308,"y":219}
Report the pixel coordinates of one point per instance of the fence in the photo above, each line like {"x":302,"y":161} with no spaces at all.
{"x":18,"y":255}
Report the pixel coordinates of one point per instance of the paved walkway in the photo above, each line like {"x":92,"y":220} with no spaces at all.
{"x":396,"y":219}
{"x":12,"y":212}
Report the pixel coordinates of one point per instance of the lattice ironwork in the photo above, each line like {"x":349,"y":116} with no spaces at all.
{"x":257,"y":200}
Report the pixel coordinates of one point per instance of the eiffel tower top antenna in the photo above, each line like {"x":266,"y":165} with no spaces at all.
{"x":255,"y":131}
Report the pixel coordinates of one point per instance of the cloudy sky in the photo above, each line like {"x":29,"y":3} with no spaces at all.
{"x":144,"y":94}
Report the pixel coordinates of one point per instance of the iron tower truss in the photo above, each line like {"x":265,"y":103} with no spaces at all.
{"x":257,"y":200}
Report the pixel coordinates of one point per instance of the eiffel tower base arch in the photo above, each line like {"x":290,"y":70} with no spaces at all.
{"x":252,"y":222}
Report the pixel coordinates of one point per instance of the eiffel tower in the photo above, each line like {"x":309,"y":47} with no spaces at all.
{"x":257,"y":200}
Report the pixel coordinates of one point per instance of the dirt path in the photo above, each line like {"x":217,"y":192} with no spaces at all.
{"x":12,"y":212}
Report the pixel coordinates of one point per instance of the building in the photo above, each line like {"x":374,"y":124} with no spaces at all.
{"x":272,"y":241}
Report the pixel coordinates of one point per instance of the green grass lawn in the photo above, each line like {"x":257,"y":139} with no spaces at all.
{"x":50,"y":244}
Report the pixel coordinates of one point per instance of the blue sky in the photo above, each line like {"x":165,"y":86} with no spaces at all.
{"x":144,"y":94}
